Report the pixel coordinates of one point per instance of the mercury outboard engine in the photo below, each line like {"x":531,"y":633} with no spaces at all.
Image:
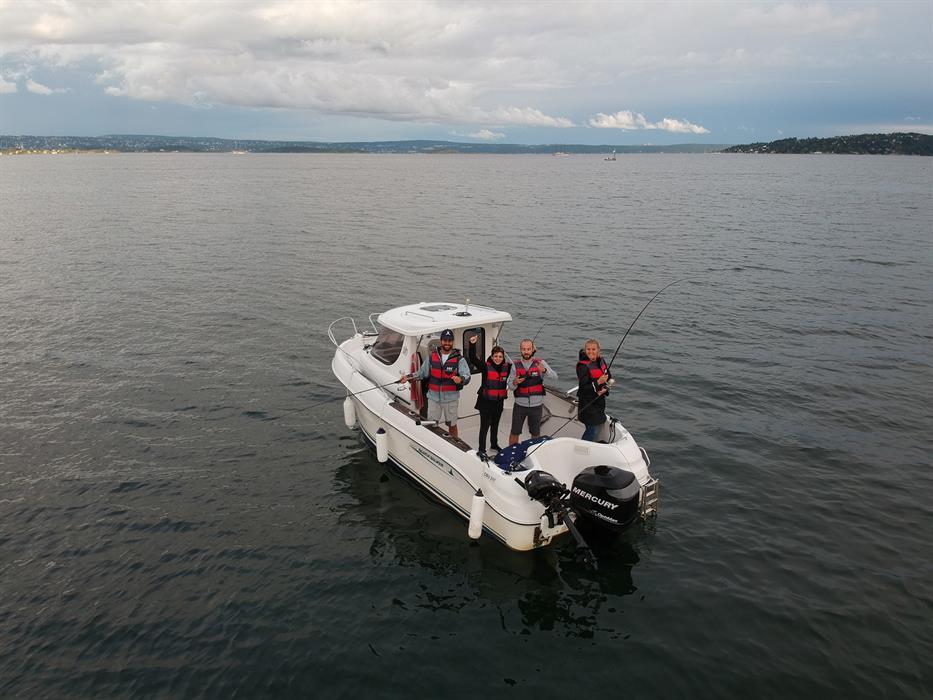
{"x":606,"y":496}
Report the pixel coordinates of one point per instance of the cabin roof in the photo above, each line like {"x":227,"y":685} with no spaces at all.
{"x":433,"y":317}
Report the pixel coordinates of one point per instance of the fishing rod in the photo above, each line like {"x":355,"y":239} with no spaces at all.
{"x":546,"y":323}
{"x":599,"y":396}
{"x":337,"y":398}
{"x":639,"y":316}
{"x":564,"y":424}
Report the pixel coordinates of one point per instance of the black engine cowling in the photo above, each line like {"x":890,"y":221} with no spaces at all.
{"x":543,"y":487}
{"x":606,"y":496}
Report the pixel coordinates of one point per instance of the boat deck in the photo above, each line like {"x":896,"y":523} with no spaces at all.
{"x":558,"y":407}
{"x":469,"y":428}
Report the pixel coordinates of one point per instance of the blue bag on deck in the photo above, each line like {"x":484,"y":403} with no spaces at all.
{"x":510,"y":458}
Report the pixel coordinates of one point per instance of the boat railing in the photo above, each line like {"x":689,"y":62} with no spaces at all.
{"x":471,"y":305}
{"x":568,"y":396}
{"x":415,"y":313}
{"x":330,"y":328}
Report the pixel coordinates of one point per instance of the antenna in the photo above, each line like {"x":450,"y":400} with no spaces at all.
{"x":466,"y":309}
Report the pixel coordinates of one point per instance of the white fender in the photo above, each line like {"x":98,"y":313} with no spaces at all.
{"x":477,"y":508}
{"x":349,"y":412}
{"x":382,"y":445}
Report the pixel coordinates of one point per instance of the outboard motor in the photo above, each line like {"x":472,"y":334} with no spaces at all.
{"x":547,"y":490}
{"x":543,"y":487}
{"x":606,"y":496}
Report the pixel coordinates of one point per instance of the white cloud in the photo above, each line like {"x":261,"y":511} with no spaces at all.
{"x":808,"y":18}
{"x":680,"y":126}
{"x":488,"y":65}
{"x":417,"y":61}
{"x":526,"y":116}
{"x":37,"y":88}
{"x":620,"y":120}
{"x":7,"y":86}
{"x":487,"y":135}
{"x":631,"y":121}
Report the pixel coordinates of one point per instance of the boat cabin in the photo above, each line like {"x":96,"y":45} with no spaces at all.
{"x":408,"y":334}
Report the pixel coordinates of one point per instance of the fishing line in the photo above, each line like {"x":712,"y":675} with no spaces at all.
{"x":582,"y":408}
{"x":563,"y":425}
{"x":337,"y":398}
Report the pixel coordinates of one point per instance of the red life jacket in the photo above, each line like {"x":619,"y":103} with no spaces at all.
{"x":441,"y":375}
{"x":534,"y":381}
{"x":494,"y":386}
{"x":597,"y":368}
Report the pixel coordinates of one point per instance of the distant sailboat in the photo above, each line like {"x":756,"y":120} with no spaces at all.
{"x":611,"y":156}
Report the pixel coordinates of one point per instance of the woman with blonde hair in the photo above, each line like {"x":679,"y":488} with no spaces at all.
{"x":593,"y":375}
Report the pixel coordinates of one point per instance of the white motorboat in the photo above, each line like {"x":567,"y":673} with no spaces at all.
{"x":528,"y":495}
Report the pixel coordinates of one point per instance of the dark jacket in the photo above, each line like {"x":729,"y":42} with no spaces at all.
{"x":483,"y":403}
{"x":591,"y":409}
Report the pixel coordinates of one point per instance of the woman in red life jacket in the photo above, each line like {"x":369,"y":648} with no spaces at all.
{"x":593,"y":375}
{"x":491,"y":396}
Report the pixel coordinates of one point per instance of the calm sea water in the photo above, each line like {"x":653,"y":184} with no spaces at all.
{"x":181,"y":516}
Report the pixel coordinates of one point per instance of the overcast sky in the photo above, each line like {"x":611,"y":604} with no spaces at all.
{"x":515,"y":72}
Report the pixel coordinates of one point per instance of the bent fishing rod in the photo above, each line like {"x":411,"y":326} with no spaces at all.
{"x":619,"y":346}
{"x":608,"y":366}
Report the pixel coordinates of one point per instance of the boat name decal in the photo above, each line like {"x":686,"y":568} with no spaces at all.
{"x":596,"y":499}
{"x":431,"y":458}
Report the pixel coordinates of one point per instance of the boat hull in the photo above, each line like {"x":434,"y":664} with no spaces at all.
{"x":420,"y":462}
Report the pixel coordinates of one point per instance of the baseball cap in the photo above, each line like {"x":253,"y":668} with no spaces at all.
{"x":447,"y":334}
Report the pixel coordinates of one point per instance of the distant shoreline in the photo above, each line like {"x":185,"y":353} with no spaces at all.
{"x":100,"y":152}
{"x":134,"y":143}
{"x":896,"y":143}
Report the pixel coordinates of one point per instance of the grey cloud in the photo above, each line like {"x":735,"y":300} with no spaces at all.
{"x":487,"y":64}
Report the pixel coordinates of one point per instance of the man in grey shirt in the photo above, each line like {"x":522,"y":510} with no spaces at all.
{"x":527,"y":381}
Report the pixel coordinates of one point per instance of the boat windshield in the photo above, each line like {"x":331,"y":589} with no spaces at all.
{"x":388,"y":346}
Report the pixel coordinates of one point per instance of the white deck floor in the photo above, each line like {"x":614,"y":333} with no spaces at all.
{"x":469,"y":428}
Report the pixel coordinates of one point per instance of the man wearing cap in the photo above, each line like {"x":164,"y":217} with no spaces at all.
{"x":446,"y":372}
